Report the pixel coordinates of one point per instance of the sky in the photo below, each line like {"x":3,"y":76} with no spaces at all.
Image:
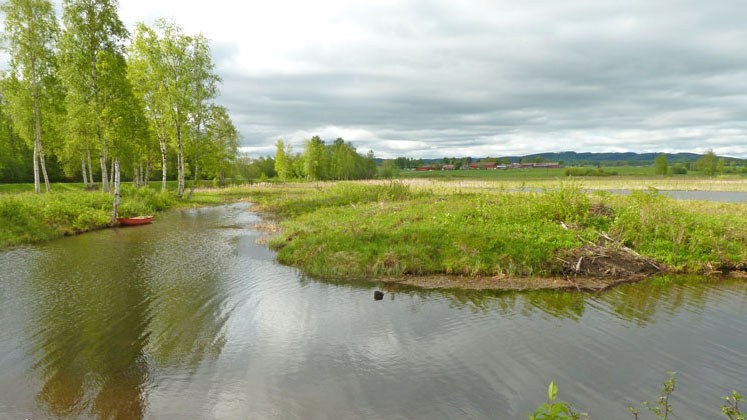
{"x":477,"y":77}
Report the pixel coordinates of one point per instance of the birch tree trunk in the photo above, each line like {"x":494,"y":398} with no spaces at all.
{"x":112,"y":180}
{"x":104,"y":178}
{"x":43,"y":166}
{"x":163,"y":142}
{"x":37,"y":135}
{"x":163,"y":166}
{"x":146,"y":179}
{"x":180,"y":160}
{"x":83,"y":171}
{"x":37,"y":185}
{"x":115,"y":174}
{"x":90,"y":167}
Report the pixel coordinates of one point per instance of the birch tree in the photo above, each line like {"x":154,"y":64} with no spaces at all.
{"x":92,"y":30}
{"x":203,"y":88}
{"x":146,"y":71}
{"x":30,"y":36}
{"x":175,"y":78}
{"x":283,"y":163}
{"x":223,"y":139}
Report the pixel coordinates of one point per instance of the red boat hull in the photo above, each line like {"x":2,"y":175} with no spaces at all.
{"x":133,"y":221}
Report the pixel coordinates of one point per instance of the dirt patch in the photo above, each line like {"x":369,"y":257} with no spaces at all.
{"x":511,"y":283}
{"x":599,"y":209}
{"x":271,"y":229}
{"x":606,"y":261}
{"x":268,"y":227}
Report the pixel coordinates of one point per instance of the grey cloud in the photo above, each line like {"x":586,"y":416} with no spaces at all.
{"x":486,"y":77}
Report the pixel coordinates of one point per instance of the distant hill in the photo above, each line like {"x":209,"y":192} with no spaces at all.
{"x":588,"y":158}
{"x":630,"y":157}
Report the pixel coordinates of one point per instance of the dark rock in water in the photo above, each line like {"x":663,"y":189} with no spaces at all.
{"x":378,"y":295}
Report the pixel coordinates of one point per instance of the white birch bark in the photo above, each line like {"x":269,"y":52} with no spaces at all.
{"x":116,"y":176}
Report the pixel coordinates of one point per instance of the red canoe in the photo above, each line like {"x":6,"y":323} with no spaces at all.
{"x":131,"y":221}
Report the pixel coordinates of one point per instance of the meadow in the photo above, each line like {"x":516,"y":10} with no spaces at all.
{"x":359,"y":230}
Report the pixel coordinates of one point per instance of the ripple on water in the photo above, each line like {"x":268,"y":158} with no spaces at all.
{"x":190,"y":318}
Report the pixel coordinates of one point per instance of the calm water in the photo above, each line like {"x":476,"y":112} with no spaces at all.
{"x":725,"y":196}
{"x":189,"y":319}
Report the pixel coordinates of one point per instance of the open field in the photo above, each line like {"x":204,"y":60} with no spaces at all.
{"x":634,"y":178}
{"x":540,"y":173}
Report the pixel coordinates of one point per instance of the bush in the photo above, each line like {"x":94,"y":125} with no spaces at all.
{"x":678,"y":169}
{"x":588,"y":172}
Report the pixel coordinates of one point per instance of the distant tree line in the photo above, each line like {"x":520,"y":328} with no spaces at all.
{"x":320,"y":161}
{"x":84,"y":97}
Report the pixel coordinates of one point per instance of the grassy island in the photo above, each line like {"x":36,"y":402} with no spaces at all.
{"x":445,"y":235}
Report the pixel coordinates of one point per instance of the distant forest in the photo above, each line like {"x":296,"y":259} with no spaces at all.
{"x":573,"y":159}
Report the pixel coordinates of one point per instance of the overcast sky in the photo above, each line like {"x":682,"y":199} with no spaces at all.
{"x":477,"y":77}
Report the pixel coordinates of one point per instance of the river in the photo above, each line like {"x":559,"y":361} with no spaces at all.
{"x":189,"y":318}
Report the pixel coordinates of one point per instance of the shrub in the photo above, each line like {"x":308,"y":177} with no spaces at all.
{"x":588,"y":172}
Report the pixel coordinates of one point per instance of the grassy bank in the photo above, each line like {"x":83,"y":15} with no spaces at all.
{"x":27,"y":217}
{"x":375,"y":231}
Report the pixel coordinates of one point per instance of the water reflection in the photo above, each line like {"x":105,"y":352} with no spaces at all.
{"x":640,"y":303}
{"x":107,"y":311}
{"x":189,"y":318}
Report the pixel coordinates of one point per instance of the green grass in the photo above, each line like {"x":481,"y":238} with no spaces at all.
{"x":78,"y":186}
{"x":27,"y":217}
{"x":538,"y":173}
{"x":359,"y":230}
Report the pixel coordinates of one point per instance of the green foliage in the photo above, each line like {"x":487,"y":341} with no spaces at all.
{"x":680,"y":233}
{"x":388,"y":169}
{"x":661,"y":165}
{"x":555,"y":410}
{"x":283,"y":166}
{"x":360,"y":230}
{"x":662,"y":409}
{"x":588,"y":172}
{"x":708,"y":164}
{"x":678,"y":169}
{"x":568,"y":202}
{"x":731,"y":408}
{"x":26,"y":217}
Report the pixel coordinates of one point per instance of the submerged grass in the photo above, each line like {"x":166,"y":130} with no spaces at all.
{"x":363,"y":230}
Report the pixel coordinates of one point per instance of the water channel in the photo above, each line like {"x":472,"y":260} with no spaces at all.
{"x":189,"y":318}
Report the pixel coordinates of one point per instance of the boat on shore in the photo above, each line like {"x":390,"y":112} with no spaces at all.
{"x":134,"y":221}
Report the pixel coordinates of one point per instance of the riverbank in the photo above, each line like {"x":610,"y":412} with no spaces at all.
{"x":28,"y":218}
{"x":440,"y":235}
{"x":471,"y":238}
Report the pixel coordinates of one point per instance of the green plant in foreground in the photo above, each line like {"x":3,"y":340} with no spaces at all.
{"x":552,"y":410}
{"x":662,"y":408}
{"x":731,"y":408}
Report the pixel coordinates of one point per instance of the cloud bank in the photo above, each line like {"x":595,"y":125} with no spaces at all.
{"x":478,"y":77}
